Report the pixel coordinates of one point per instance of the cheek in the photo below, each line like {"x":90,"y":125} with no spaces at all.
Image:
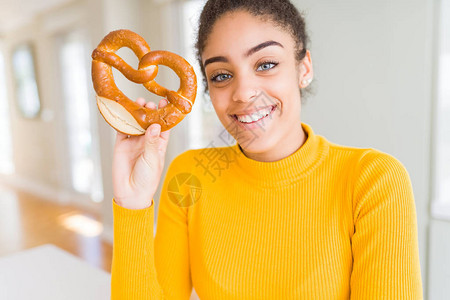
{"x":291,"y":80}
{"x":286,"y":89}
{"x":220,"y":103}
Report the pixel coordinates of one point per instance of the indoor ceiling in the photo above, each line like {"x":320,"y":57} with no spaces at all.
{"x":14,"y":13}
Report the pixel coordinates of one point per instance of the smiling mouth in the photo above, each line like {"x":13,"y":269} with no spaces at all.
{"x":256,"y":116}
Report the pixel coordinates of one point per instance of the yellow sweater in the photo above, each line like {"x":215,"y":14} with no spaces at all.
{"x":327,"y":222}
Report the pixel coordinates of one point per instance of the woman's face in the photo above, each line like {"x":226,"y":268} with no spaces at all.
{"x":254,"y":80}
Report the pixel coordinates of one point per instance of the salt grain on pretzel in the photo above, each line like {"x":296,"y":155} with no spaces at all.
{"x":119,"y":111}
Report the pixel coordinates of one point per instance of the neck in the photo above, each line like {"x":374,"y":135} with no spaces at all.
{"x":288,"y":145}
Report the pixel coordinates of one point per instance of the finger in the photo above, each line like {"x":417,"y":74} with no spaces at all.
{"x":151,"y":143}
{"x":163,"y":102}
{"x":140,"y":101}
{"x":150,"y":105}
{"x":164,"y":142}
{"x":121,"y":136}
{"x":165,"y":134}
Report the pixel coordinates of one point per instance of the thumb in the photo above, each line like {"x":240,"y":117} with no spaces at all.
{"x":151,"y":142}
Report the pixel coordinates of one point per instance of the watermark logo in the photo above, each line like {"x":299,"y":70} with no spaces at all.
{"x":213,"y":161}
{"x":184,"y":189}
{"x":232,"y":130}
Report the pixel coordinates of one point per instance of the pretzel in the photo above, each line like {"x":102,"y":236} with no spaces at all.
{"x":118,"y":110}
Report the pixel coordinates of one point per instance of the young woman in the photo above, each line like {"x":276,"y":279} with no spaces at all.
{"x":283,"y":213}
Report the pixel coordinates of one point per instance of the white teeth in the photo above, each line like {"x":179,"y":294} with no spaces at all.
{"x":255,"y":116}
{"x":245,"y":119}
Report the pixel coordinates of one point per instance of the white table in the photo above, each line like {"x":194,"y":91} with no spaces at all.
{"x":49,"y":273}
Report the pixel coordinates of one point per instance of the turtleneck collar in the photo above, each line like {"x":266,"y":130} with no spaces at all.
{"x":287,"y":170}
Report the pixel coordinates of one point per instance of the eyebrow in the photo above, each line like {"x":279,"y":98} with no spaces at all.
{"x":247,"y":54}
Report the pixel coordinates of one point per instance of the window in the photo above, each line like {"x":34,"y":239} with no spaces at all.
{"x":27,"y":94}
{"x":6,"y":153}
{"x":84,"y":166}
{"x":204,"y":126}
{"x":441,"y":174}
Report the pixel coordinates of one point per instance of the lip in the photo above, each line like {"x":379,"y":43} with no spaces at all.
{"x":254,"y":124}
{"x":244,"y":113}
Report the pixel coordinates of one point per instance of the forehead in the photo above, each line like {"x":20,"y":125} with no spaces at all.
{"x":236,"y":32}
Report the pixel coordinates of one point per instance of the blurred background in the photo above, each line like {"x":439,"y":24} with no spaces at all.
{"x":382,"y":80}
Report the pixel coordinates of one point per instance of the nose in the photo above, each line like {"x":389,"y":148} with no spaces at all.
{"x":244,"y":90}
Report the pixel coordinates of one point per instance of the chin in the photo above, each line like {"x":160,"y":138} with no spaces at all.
{"x":257,"y":145}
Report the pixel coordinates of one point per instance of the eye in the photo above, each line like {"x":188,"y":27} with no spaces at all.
{"x":266,"y":66}
{"x":220,"y":77}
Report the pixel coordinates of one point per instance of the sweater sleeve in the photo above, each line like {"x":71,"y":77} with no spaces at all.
{"x":145,"y":266}
{"x":385,"y":243}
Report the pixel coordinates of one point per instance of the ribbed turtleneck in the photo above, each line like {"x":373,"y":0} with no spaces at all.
{"x":287,"y":170}
{"x":331,"y":222}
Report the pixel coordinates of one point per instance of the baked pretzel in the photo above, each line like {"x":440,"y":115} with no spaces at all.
{"x":118,"y":110}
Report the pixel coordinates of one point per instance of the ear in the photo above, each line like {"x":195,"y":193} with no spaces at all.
{"x":306,"y":73}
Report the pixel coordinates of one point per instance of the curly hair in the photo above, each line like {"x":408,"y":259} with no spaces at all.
{"x":281,"y":12}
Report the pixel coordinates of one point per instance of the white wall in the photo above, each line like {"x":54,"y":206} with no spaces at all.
{"x":39,"y":148}
{"x":373,"y":79}
{"x":39,"y":145}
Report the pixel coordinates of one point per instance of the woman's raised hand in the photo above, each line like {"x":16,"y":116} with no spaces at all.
{"x":138,"y":163}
